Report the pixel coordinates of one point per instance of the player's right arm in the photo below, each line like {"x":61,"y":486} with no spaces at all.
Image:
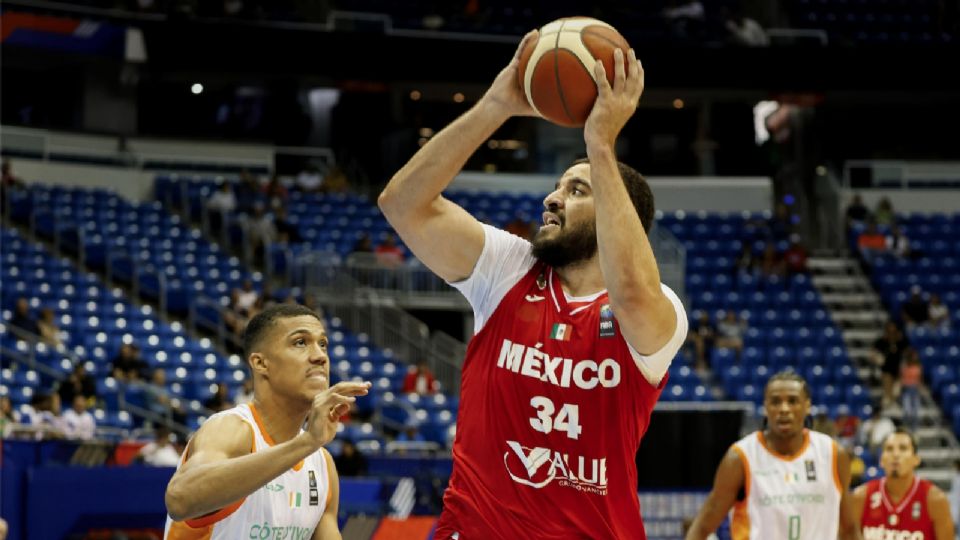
{"x":727,"y":484}
{"x":938,"y":506}
{"x":441,"y":234}
{"x":222,"y":468}
{"x":857,"y":500}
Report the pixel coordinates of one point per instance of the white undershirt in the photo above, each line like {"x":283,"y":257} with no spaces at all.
{"x":506,"y":258}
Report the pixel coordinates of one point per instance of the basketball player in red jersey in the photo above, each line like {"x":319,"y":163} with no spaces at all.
{"x":573,"y":333}
{"x":901,"y":506}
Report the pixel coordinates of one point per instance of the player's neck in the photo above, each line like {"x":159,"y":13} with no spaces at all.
{"x":281,"y":419}
{"x":583,"y":278}
{"x":897,"y":487}
{"x":787,"y":446}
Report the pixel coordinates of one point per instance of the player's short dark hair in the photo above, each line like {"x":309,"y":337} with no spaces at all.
{"x":790,"y":376}
{"x":639,"y":190}
{"x":904,"y":431}
{"x":263,"y":321}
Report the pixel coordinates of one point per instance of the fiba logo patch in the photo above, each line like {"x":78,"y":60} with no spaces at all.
{"x":538,"y":467}
{"x":606,"y":321}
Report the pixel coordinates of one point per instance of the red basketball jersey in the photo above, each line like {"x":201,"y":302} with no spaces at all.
{"x":552,"y":410}
{"x":908,"y":519}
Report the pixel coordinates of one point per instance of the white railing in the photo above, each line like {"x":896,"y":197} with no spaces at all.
{"x":152,"y":154}
{"x":902,"y":174}
{"x":790,"y":36}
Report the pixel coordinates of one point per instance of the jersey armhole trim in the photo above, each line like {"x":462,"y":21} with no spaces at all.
{"x":836,"y":466}
{"x":218,"y":515}
{"x":746,"y":473}
{"x":330,"y":467}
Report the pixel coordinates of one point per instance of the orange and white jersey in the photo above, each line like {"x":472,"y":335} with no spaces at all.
{"x":289,"y":506}
{"x":788,"y":497}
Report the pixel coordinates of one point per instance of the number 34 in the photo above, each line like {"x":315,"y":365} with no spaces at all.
{"x":568,"y":419}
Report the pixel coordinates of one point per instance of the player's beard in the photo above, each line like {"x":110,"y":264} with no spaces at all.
{"x":572,"y":245}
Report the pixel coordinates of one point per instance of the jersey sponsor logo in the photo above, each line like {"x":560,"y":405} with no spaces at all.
{"x":790,"y":499}
{"x":538,"y":467}
{"x":266,"y":531}
{"x":883,"y":533}
{"x":811,"y":470}
{"x":533,"y":298}
{"x":274,"y":487}
{"x":556,"y":370}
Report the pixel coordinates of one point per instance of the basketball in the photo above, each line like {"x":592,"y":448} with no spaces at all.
{"x":556,"y":71}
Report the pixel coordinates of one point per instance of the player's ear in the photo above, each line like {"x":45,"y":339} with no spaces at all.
{"x":258,"y":363}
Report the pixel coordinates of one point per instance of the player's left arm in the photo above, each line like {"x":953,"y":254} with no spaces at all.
{"x":938,"y":506}
{"x":328,"y":528}
{"x":849,"y":527}
{"x":647,"y":317}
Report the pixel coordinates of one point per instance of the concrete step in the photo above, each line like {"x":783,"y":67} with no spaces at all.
{"x":932,"y":437}
{"x":859,"y":352}
{"x":851,"y":300}
{"x":831,"y":264}
{"x":941,"y":476}
{"x":859,"y":316}
{"x":862,"y":335}
{"x":841,"y":284}
{"x":939,"y":456}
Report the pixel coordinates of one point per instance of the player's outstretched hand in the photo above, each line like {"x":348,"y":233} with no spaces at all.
{"x":329,"y":406}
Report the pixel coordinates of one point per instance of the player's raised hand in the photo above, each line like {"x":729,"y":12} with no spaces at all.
{"x":506,"y":92}
{"x":328,"y":406}
{"x":615,"y":104}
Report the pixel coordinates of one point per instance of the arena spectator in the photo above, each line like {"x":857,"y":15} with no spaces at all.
{"x":287,"y":231}
{"x":310,"y":180}
{"x":161,"y":452}
{"x":222,"y":202}
{"x":350,"y":462}
{"x":875,"y":430}
{"x":389,"y":254}
{"x":823,"y":424}
{"x":857,"y":212}
{"x":702,"y":334}
{"x":49,"y":331}
{"x":938,"y":314}
{"x":746,"y":31}
{"x":884,"y":214}
{"x":419,"y":380}
{"x":22,"y":319}
{"x":157,"y":397}
{"x":219,"y":401}
{"x":77,"y":420}
{"x":746,"y":263}
{"x":771,"y":264}
{"x":871,"y":243}
{"x":730,"y":332}
{"x":9,"y":417}
{"x":128,"y":366}
{"x":795,"y":257}
{"x":887,"y":355}
{"x":898,"y":244}
{"x":261,"y":231}
{"x":520,"y":227}
{"x":363,"y":244}
{"x":275,"y":193}
{"x":911,"y":375}
{"x":78,"y":383}
{"x":915,"y":311}
{"x":847,"y":426}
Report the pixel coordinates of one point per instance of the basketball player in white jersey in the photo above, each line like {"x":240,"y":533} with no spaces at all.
{"x":259,"y":470}
{"x":783,"y":482}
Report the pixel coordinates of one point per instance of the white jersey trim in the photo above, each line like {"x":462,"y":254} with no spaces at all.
{"x":503,"y":262}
